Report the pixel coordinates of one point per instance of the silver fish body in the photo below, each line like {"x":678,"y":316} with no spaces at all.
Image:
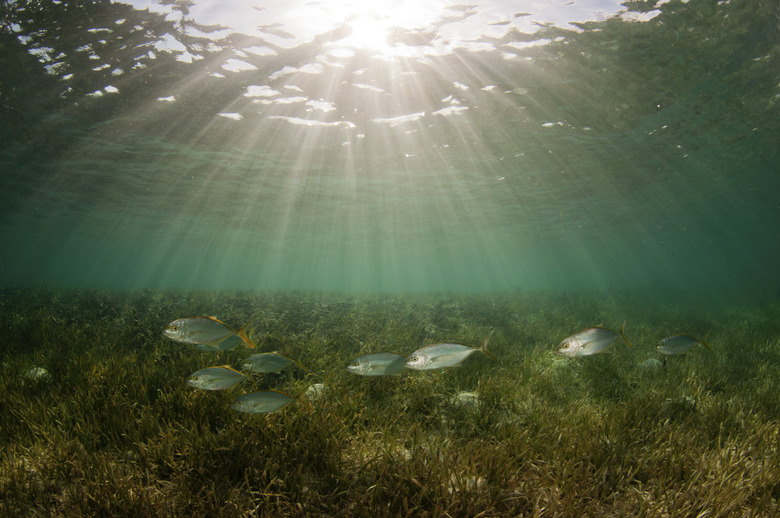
{"x":207,"y":331}
{"x":593,"y":340}
{"x":679,"y":344}
{"x":266,"y":362}
{"x":377,"y":364}
{"x":215,"y":378}
{"x":439,"y":356}
{"x":228,"y":343}
{"x":262,"y":402}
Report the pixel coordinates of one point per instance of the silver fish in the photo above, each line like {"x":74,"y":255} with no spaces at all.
{"x":438,"y":356}
{"x":377,"y":364}
{"x":262,"y":402}
{"x":228,"y":343}
{"x":268,"y":362}
{"x":215,"y":378}
{"x":679,"y":344}
{"x":589,"y":341}
{"x":206,"y":331}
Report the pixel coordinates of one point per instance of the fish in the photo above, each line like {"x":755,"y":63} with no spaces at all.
{"x":269,"y":362}
{"x":207,"y":331}
{"x":679,"y":344}
{"x":226,"y":344}
{"x":439,"y":356}
{"x":377,"y":364}
{"x":593,"y":340}
{"x":262,"y":402}
{"x":216,"y":378}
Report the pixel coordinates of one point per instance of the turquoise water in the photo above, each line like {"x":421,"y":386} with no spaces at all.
{"x":367,"y":148}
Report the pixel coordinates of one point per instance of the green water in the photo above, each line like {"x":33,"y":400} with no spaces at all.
{"x":463,"y":148}
{"x":348,"y":178}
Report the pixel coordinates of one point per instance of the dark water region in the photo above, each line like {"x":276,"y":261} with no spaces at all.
{"x":112,"y":428}
{"x":466,"y":148}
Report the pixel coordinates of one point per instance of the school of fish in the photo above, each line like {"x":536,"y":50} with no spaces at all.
{"x":211,"y":334}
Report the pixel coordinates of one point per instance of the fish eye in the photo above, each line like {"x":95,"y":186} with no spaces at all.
{"x":413,"y":359}
{"x":355,"y":364}
{"x":174,"y":328}
{"x":565,"y":345}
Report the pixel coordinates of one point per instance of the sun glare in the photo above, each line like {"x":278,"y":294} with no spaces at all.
{"x":371,"y":22}
{"x":369,"y":32}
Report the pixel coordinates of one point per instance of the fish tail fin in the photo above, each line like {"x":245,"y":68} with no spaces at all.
{"x":301,"y":366}
{"x":701,"y":341}
{"x":623,"y":334}
{"x":301,"y":399}
{"x":245,"y":337}
{"x":483,"y":348}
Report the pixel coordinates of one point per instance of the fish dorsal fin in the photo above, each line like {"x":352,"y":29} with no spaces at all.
{"x":228,"y":367}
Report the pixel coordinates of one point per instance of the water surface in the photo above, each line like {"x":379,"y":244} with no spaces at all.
{"x":391,"y":147}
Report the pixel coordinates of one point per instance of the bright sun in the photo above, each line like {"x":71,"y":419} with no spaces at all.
{"x":368,"y":32}
{"x":372,"y":22}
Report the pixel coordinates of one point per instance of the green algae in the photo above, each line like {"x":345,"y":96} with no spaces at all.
{"x":117,"y":431}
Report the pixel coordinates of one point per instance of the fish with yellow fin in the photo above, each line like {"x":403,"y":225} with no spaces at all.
{"x":269,"y":362}
{"x":593,"y":340}
{"x":680,"y":344}
{"x":263,"y":402}
{"x":377,"y":364}
{"x":207,"y":331}
{"x":216,"y":378}
{"x":439,"y":356}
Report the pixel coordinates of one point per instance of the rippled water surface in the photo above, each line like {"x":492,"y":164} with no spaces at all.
{"x":391,"y":146}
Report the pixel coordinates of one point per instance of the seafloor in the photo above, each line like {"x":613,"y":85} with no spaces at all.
{"x":113,"y":430}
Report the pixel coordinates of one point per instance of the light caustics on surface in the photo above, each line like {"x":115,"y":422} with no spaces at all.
{"x":388,"y":146}
{"x":374,"y":193}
